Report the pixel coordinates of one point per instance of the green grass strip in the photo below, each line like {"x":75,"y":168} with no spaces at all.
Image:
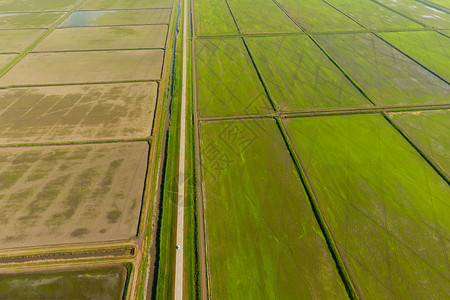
{"x":129,"y":267}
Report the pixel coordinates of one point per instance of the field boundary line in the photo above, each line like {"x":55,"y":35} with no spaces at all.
{"x":26,"y":28}
{"x":120,"y":9}
{"x":73,"y":143}
{"x":435,"y":5}
{"x":228,"y":36}
{"x":331,"y":112}
{"x":78,"y":83}
{"x":296,"y":22}
{"x":72,"y":247}
{"x":387,"y":42}
{"x":377,"y":3}
{"x":442,"y":33}
{"x":413,"y":59}
{"x":416,"y":146}
{"x":46,"y":33}
{"x":80,"y":10}
{"x":98,"y":254}
{"x":34,"y":12}
{"x":401,"y":14}
{"x":266,"y":89}
{"x":97,"y":50}
{"x":334,"y":252}
{"x":114,"y":25}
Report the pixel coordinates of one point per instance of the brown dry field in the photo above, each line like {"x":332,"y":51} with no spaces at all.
{"x":18,"y":39}
{"x":82,"y":67}
{"x":77,"y":113}
{"x":96,"y":38}
{"x":68,"y":194}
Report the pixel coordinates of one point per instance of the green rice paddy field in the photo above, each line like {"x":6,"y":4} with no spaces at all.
{"x":323,"y":133}
{"x":386,"y":207}
{"x":262,"y":234}
{"x":430,"y":130}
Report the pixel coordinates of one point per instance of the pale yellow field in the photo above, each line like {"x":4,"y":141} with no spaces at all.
{"x":118,"y":17}
{"x":78,"y":67}
{"x":65,"y":194}
{"x":120,"y":4}
{"x":36,"y":5}
{"x":77,"y":113}
{"x":28,"y":20}
{"x":18,"y":39}
{"x":5,"y":59}
{"x":96,"y":38}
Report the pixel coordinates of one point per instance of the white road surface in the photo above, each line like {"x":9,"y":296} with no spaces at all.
{"x":180,"y":209}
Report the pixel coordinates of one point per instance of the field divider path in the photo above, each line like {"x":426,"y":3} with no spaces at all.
{"x":384,"y":40}
{"x":416,"y":146}
{"x":179,"y":258}
{"x":394,"y":11}
{"x":266,"y":90}
{"x":349,"y":286}
{"x":382,"y":111}
{"x":71,"y":143}
{"x":414,"y":60}
{"x":296,"y":22}
{"x":331,"y":112}
{"x":125,"y":9}
{"x":399,"y":13}
{"x":79,"y":83}
{"x":99,"y":50}
{"x":116,"y":25}
{"x":228,"y":36}
{"x":46,"y":33}
{"x":32,"y":12}
{"x":434,"y":5}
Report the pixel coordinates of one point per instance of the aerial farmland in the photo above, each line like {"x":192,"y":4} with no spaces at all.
{"x":322,"y":148}
{"x":224,"y":149}
{"x":81,"y":93}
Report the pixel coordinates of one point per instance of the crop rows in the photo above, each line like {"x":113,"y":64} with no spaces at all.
{"x":363,"y":185}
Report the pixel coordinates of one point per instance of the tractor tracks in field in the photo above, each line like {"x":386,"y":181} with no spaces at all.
{"x":352,"y":290}
{"x":279,"y":116}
